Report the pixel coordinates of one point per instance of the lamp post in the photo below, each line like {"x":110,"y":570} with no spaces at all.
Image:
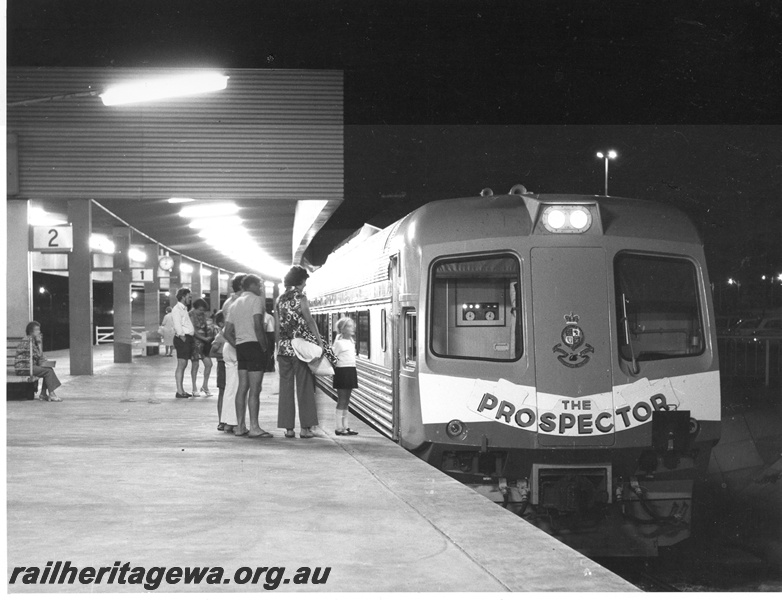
{"x":610,"y":154}
{"x":734,"y":282}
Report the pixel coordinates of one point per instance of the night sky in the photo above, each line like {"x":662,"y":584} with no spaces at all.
{"x":444,"y":98}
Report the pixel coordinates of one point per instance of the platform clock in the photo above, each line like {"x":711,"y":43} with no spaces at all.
{"x":165,"y":262}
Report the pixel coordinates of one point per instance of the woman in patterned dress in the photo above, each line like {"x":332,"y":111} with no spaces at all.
{"x":203,"y":342}
{"x":295,"y":321}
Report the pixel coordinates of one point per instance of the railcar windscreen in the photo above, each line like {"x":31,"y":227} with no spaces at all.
{"x":475,"y":307}
{"x":658,"y":307}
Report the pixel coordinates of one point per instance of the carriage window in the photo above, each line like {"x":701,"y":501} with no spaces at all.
{"x":361,"y":319}
{"x":322,"y":321}
{"x":362,"y":333}
{"x":411,"y":335}
{"x":475,"y":308}
{"x":383,"y":328}
{"x":657,"y":306}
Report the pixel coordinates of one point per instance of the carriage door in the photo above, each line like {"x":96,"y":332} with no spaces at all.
{"x":572,"y":347}
{"x":394,"y":316}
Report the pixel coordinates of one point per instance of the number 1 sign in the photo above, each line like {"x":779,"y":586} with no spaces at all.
{"x":57,"y":238}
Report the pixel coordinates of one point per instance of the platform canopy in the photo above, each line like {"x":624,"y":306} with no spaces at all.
{"x":270,"y":143}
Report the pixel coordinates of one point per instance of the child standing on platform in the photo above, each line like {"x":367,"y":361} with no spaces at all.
{"x":216,"y":352}
{"x":345,"y":377}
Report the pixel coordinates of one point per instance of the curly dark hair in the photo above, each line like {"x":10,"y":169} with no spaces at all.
{"x":201,"y":303}
{"x":296,"y":276}
{"x":30,"y":326}
{"x":236,"y":282}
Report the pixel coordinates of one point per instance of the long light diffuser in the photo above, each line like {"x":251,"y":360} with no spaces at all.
{"x":204,"y":211}
{"x":158,"y":89}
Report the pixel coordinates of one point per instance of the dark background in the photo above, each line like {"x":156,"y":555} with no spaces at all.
{"x":444,"y":98}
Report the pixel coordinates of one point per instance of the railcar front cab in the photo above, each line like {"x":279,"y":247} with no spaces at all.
{"x":595,"y":393}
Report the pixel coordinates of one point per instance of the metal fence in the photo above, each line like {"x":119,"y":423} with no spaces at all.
{"x":105,"y":335}
{"x":751,"y":358}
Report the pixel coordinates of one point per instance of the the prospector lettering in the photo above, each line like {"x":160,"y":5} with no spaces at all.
{"x":583,"y":423}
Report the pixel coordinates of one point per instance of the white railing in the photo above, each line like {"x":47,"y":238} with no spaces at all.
{"x":105,"y":335}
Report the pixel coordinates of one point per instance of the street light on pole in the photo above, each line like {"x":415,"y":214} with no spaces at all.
{"x":610,"y":154}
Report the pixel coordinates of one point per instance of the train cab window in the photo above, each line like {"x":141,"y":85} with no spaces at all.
{"x":474,"y":310}
{"x":658,"y":308}
{"x":411,"y":335}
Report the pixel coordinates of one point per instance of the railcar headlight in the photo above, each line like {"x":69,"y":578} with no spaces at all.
{"x":567,"y":219}
{"x":556,"y":219}
{"x":579,"y":218}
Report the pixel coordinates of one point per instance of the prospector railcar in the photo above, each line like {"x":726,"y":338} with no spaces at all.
{"x":555,"y":352}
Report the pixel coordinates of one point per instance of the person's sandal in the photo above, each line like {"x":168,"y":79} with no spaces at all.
{"x":221,"y":427}
{"x":349,"y":431}
{"x":289,"y":433}
{"x":306,"y":434}
{"x":206,"y":393}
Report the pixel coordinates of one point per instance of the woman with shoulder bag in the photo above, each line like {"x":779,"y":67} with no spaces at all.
{"x":295,"y":321}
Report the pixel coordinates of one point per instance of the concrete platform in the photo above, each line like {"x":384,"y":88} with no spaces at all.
{"x":123,"y":471}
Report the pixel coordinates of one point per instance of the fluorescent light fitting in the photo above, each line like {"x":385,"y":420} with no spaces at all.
{"x":205,"y":272}
{"x":180,"y":200}
{"x":214,"y":209}
{"x":216,"y":222}
{"x":137,"y":255}
{"x":185,"y":268}
{"x":38,"y":216}
{"x":225,"y":276}
{"x":101,"y":243}
{"x":159,"y":89}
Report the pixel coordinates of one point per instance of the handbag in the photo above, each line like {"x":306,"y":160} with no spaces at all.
{"x":306,"y":351}
{"x":321,"y":366}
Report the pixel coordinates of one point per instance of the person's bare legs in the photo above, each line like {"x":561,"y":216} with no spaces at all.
{"x":241,"y":401}
{"x":179,"y":375}
{"x":343,"y":400}
{"x":194,"y":377}
{"x":256,"y":384}
{"x":207,"y":372}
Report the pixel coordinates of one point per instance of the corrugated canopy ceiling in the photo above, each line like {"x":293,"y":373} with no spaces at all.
{"x":270,"y":139}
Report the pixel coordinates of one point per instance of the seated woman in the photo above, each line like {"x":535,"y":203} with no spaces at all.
{"x":32,"y":345}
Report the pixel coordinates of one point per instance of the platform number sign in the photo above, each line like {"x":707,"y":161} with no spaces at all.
{"x":53,"y":238}
{"x":141,"y":275}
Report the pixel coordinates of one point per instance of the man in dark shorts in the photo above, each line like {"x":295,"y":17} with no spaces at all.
{"x":183,"y":338}
{"x":244,"y":330}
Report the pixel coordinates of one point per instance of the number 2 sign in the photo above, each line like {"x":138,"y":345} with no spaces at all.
{"x":57,"y":238}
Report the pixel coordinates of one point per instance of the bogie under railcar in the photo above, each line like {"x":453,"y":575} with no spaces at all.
{"x":555,"y":352}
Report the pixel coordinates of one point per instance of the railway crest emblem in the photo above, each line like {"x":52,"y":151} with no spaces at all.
{"x":573,"y":338}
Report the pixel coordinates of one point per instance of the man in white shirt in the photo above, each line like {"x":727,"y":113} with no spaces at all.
{"x":244,"y":330}
{"x":183,"y":338}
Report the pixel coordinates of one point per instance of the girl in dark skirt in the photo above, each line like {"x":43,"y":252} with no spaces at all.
{"x":345,"y":378}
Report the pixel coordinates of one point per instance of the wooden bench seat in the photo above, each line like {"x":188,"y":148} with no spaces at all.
{"x":18,"y":387}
